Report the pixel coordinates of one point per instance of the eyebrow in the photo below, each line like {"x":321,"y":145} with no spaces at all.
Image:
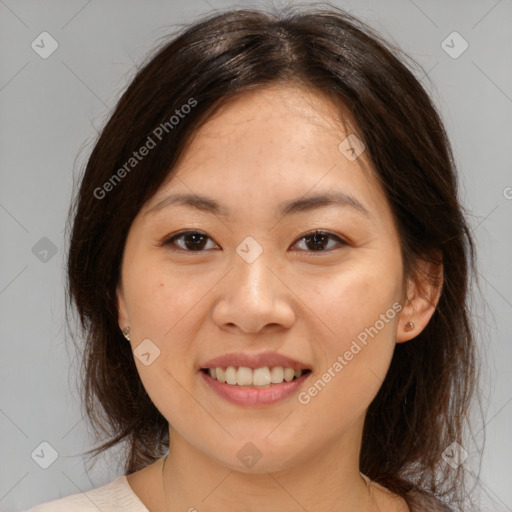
{"x":294,"y":206}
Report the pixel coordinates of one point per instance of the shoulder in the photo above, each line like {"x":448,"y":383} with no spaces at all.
{"x":114,"y":496}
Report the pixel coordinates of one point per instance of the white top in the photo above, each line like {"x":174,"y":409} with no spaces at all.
{"x":118,"y":496}
{"x":115,"y":496}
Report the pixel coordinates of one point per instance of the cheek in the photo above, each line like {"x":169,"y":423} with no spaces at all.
{"x":162,"y":311}
{"x":352,"y":300}
{"x":161,"y":301}
{"x":359,"y":309}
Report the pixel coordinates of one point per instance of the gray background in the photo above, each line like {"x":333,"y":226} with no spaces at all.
{"x":52,"y":110}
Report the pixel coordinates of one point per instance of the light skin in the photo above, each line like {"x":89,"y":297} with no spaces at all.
{"x":307,"y":300}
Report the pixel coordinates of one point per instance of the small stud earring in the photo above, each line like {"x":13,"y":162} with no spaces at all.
{"x":409,"y":326}
{"x":126,"y":332}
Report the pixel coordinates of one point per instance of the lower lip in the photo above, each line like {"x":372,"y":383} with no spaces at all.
{"x":240,"y":395}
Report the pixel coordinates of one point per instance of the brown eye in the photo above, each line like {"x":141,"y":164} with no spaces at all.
{"x":189,"y":241}
{"x":197,"y":241}
{"x":318,"y":241}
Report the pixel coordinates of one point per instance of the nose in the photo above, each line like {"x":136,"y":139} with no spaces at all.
{"x":254,"y":296}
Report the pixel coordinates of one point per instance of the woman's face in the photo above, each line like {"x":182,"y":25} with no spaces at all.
{"x":251,"y":286}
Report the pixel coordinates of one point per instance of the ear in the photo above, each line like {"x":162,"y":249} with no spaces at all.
{"x":123,"y":317}
{"x":423,"y":292}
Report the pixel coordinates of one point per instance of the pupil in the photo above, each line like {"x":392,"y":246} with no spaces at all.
{"x":197,"y":238}
{"x":317,"y":238}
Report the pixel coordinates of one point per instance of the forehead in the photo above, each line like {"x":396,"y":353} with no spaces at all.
{"x":279,"y":114}
{"x":271,"y":145}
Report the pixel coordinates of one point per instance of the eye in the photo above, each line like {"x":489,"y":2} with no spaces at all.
{"x":191,"y":241}
{"x":196,"y":241}
{"x":317,"y":240}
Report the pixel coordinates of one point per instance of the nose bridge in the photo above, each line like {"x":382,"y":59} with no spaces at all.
{"x":251,"y":270}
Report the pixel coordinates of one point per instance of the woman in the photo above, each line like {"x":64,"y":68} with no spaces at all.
{"x":271,"y":268}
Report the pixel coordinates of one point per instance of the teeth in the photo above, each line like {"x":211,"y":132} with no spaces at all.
{"x":244,"y":376}
{"x":221,"y":376}
{"x":259,"y":377}
{"x":289,"y":373}
{"x":277,"y":375}
{"x":231,"y":375}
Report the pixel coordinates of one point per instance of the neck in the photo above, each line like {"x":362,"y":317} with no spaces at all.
{"x":328,"y":482}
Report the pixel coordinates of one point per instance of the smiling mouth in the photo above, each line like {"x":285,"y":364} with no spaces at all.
{"x":263,"y":377}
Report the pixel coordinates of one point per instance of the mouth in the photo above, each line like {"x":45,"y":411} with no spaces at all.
{"x":248,"y":387}
{"x":257,"y":378}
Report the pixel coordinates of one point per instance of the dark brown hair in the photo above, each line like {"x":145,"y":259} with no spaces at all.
{"x":423,"y":403}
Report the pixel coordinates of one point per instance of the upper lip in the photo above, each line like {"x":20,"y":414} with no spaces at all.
{"x":253,"y":361}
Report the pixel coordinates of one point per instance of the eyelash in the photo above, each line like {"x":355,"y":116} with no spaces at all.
{"x":170,"y":240}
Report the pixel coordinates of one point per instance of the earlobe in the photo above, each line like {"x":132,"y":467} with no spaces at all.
{"x":423,"y":293}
